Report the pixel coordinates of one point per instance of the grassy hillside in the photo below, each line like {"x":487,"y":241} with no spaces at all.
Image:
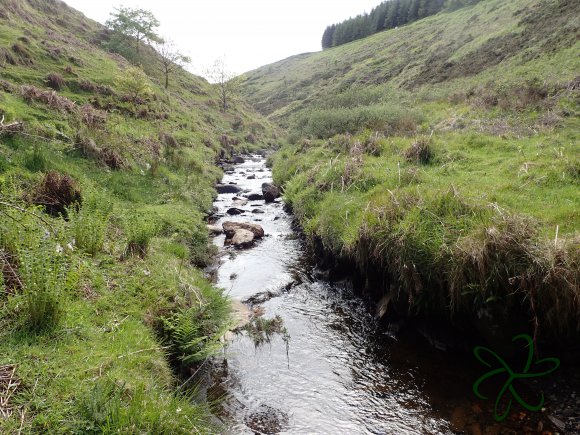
{"x":442,"y":159}
{"x":103,"y":196}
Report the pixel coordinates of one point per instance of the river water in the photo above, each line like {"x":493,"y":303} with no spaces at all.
{"x":340,"y":372}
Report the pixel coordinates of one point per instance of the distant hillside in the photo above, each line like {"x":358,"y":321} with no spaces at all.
{"x":440,"y":161}
{"x":498,"y":42}
{"x":106,"y":179}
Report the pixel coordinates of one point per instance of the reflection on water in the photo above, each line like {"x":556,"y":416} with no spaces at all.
{"x":343,"y":373}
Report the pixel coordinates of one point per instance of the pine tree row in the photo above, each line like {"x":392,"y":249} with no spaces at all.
{"x":387,"y":15}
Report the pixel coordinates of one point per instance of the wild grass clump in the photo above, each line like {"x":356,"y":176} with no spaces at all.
{"x":35,"y":160}
{"x":36,"y":268}
{"x":25,"y":58}
{"x":56,"y":193}
{"x":6,"y":58}
{"x":89,"y":223}
{"x":91,"y":117}
{"x":105,"y":155}
{"x":420,"y":151}
{"x":505,"y":258}
{"x":55,"y":81}
{"x":115,"y":407}
{"x":43,"y":271}
{"x":140,"y":230}
{"x":198,"y":321}
{"x":201,"y":251}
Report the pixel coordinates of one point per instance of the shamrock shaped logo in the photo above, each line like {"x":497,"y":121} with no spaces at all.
{"x":483,"y":354}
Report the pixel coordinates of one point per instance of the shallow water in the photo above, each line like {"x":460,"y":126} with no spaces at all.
{"x":341,"y":372}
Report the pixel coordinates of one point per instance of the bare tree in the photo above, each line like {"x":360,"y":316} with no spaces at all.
{"x":225,"y":80}
{"x":171,"y":59}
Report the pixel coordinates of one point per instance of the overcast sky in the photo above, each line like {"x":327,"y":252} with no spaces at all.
{"x":249,"y":33}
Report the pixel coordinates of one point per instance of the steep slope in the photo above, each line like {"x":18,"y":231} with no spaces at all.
{"x":503,"y":42}
{"x":105,"y":181}
{"x":440,"y":160}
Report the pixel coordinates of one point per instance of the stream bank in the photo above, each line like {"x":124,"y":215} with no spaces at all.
{"x":342,"y":369}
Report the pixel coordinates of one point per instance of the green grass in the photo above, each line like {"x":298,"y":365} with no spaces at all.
{"x":474,"y":224}
{"x":443,"y":156}
{"x":96,"y":332}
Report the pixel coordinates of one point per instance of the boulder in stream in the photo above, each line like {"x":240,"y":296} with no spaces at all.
{"x":243,"y":238}
{"x":227,"y":188}
{"x":230,"y":229}
{"x":255,"y":196}
{"x":214,"y":229}
{"x":238,"y":159}
{"x":270,"y":192}
{"x":235,"y":211}
{"x":251,"y":177}
{"x":240,"y":202}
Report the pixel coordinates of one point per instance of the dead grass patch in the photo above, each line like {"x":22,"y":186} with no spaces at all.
{"x":107,"y":156}
{"x":56,"y":192}
{"x":9,"y":270}
{"x":420,"y":151}
{"x":50,"y":98}
{"x":55,"y":81}
{"x":9,"y":384}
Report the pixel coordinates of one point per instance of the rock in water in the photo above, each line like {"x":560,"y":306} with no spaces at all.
{"x":234,"y":211}
{"x":238,"y":159}
{"x":230,"y":229}
{"x":255,"y":196}
{"x":240,"y":202}
{"x":227,"y":188}
{"x":251,"y":177}
{"x":270,"y":192}
{"x":214,"y":229}
{"x":243,"y":238}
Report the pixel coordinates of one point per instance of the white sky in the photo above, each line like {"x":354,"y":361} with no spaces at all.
{"x":248,"y":33}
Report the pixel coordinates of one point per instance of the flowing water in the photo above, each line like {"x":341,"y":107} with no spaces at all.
{"x":340,"y":372}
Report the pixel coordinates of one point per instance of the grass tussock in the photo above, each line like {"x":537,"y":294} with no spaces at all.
{"x":114,"y":407}
{"x":56,"y":193}
{"x":55,"y":81}
{"x":420,"y":151}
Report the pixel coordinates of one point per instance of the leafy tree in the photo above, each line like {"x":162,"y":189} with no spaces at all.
{"x":171,"y":59}
{"x":134,"y":84}
{"x":138,"y":24}
{"x":225,"y":80}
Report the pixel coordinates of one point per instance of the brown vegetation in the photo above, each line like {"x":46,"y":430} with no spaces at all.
{"x":9,"y":270}
{"x":92,"y":117}
{"x":420,"y":151}
{"x":50,"y":98}
{"x":107,"y":156}
{"x":55,"y":81}
{"x":56,"y":192}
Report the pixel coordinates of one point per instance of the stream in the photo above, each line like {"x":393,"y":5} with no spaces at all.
{"x":340,"y":372}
